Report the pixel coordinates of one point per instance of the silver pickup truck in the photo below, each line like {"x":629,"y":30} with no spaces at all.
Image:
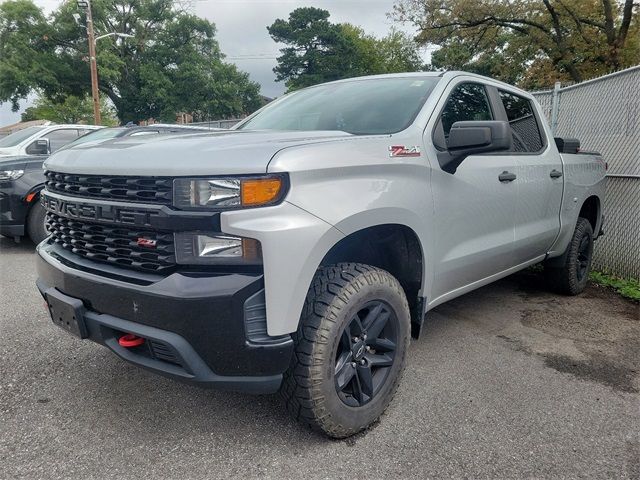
{"x":300,"y":251}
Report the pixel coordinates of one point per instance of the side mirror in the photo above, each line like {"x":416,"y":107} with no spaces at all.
{"x":471,"y":137}
{"x":39,"y":147}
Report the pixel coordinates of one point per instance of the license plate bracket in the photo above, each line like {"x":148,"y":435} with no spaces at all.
{"x":66,"y":312}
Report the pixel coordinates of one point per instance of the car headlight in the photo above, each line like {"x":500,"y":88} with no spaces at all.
{"x":11,"y":174}
{"x":216,"y":248}
{"x":224,"y":193}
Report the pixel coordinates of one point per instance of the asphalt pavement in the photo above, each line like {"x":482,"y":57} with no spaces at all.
{"x":509,"y":381}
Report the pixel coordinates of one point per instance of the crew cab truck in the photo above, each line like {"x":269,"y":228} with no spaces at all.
{"x":301,"y":250}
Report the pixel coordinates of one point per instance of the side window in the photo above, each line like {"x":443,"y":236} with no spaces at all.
{"x":468,"y":101}
{"x":524,"y":126}
{"x":82,"y":132}
{"x":59,"y":138}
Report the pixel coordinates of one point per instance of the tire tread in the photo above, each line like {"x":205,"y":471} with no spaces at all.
{"x":328,"y":294}
{"x":564,"y":279}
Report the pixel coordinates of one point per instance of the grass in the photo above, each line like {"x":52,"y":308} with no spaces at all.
{"x":627,"y":288}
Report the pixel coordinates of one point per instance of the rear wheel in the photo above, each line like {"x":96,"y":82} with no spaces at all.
{"x":36,"y":227}
{"x":572,"y":277}
{"x":350,"y":349}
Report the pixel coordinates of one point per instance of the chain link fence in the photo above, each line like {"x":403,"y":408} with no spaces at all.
{"x":604,"y":114}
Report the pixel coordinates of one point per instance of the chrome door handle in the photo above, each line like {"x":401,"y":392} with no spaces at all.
{"x":507,"y":176}
{"x":555,"y":173}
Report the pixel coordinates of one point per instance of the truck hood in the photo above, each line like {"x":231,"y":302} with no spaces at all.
{"x":219,"y":153}
{"x":8,"y":152}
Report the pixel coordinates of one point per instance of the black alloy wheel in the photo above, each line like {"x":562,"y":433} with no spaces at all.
{"x":583,"y":258}
{"x":571,"y":275}
{"x":350,"y":349}
{"x":365,"y":354}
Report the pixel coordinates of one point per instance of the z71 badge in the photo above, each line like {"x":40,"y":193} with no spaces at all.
{"x":402,"y":151}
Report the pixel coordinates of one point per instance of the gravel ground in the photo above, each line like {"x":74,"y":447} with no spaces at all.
{"x":508,"y":381}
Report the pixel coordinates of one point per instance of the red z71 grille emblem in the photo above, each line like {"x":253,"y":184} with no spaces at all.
{"x":147,"y":242}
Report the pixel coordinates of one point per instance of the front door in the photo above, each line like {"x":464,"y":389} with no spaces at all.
{"x":474,"y":209}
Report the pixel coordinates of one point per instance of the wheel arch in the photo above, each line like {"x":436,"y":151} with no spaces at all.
{"x":591,"y":210}
{"x":31,"y":198}
{"x":394,"y":247}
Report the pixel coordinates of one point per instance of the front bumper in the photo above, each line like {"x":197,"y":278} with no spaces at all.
{"x":200,"y":327}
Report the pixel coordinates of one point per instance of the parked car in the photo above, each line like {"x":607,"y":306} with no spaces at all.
{"x":299,"y":251}
{"x":41,"y":140}
{"x":22,"y":179}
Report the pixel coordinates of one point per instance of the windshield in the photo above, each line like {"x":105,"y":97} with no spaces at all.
{"x":360,"y":107}
{"x":98,"y":135}
{"x":17,"y":137}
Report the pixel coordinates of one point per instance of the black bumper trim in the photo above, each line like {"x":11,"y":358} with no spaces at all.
{"x":189,"y":367}
{"x":11,"y":230}
{"x":199,"y":318}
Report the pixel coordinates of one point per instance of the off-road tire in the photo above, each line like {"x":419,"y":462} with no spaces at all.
{"x":35,"y":223}
{"x":309,"y":386}
{"x":567,"y":279}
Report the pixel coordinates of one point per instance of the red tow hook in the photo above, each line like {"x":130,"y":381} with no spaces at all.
{"x":130,"y":340}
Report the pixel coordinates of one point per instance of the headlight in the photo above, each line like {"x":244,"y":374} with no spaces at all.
{"x":214,"y":248}
{"x":11,"y":174}
{"x":228,"y":192}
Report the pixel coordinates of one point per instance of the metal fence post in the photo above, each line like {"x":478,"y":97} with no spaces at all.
{"x":555,"y":106}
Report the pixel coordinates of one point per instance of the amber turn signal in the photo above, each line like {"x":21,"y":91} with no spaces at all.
{"x":259,"y":191}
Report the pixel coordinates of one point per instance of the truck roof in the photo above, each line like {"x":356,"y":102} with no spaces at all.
{"x":445,"y":74}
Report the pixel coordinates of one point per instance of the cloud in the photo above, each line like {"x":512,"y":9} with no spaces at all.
{"x":243,"y":37}
{"x":242,"y":29}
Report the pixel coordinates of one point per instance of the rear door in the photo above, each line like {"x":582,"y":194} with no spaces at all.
{"x":474,"y":210}
{"x":540,"y":183}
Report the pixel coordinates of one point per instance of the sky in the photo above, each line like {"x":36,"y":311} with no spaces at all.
{"x":243,"y":37}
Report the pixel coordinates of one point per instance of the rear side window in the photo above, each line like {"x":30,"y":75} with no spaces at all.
{"x":524,"y":126}
{"x":468,"y":101}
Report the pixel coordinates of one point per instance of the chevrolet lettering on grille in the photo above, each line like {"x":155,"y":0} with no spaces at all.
{"x":86,"y":211}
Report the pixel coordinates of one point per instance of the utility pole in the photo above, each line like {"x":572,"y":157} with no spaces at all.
{"x":92,"y":61}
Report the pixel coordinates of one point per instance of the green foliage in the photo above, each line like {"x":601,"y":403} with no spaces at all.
{"x":320,"y":51}
{"x":627,"y":288}
{"x":172,"y":64}
{"x":23,"y":33}
{"x":529,"y":42}
{"x":71,"y":110}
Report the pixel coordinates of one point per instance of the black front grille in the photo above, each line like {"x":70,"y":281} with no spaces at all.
{"x":115,"y":245}
{"x":155,"y":190}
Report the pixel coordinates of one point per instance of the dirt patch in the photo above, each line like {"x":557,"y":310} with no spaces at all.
{"x":597,"y":369}
{"x":594,"y":336}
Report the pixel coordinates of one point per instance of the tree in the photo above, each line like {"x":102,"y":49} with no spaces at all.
{"x":172,"y":64}
{"x":71,"y":110}
{"x":22,"y":43}
{"x":530,"y":42}
{"x":320,"y":51}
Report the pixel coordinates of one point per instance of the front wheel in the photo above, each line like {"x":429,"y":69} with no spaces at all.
{"x":36,"y":223}
{"x":350,"y":349}
{"x":572,"y":277}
